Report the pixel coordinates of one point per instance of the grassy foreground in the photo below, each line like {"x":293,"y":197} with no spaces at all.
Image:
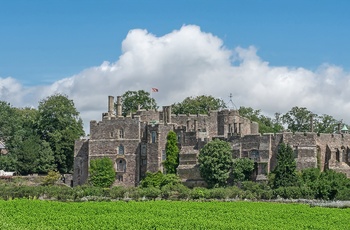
{"x":36,"y":214}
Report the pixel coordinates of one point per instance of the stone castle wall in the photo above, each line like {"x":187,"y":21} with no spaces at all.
{"x":136,"y":144}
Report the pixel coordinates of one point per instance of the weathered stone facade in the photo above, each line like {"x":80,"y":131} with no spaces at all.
{"x":136,"y":144}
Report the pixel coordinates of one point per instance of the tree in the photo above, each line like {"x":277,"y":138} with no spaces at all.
{"x":198,"y":105}
{"x":298,"y":119}
{"x":102,"y":172}
{"x":33,"y":156}
{"x":215,"y":162}
{"x":266,"y":124}
{"x":60,"y":125}
{"x":132,"y":100}
{"x":242,"y":169}
{"x":8,"y":121}
{"x":285,"y":171}
{"x":172,"y":153}
{"x":325,"y":124}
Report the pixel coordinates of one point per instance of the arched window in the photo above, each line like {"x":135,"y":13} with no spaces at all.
{"x":121,"y":165}
{"x":121,"y":150}
{"x":153,"y":136}
{"x":121,"y":133}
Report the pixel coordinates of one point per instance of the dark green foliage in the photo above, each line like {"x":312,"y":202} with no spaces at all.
{"x":34,"y":156}
{"x":199,"y":193}
{"x":59,"y":125}
{"x":8,"y":162}
{"x":8,"y":121}
{"x":134,"y":99}
{"x":172,"y":153}
{"x":298,"y":119}
{"x":257,"y":190}
{"x":102,"y":172}
{"x":175,"y":191}
{"x":198,"y":105}
{"x":266,"y":124}
{"x":159,"y":180}
{"x":285,"y":171}
{"x":117,"y":192}
{"x":215,"y":162}
{"x":242,"y":169}
{"x":325,"y":124}
{"x":330,"y":184}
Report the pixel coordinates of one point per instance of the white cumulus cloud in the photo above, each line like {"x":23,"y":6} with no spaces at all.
{"x":190,"y":62}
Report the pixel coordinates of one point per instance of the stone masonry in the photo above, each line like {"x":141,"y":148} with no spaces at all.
{"x":136,"y":144}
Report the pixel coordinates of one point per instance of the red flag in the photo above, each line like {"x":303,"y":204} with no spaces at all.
{"x":155,"y":90}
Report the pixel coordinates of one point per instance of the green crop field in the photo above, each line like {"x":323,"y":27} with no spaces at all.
{"x":35,"y":214}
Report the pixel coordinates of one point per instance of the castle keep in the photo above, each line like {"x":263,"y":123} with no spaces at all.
{"x":136,"y":144}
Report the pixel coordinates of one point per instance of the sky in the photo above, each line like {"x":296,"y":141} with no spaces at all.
{"x":271,"y":55}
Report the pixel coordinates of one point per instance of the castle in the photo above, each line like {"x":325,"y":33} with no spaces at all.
{"x":136,"y":144}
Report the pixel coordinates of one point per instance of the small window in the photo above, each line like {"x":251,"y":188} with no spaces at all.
{"x":143,"y":149}
{"x":121,"y":150}
{"x":163,"y":155}
{"x":111,"y":134}
{"x":121,"y":133}
{"x":121,"y":165}
{"x":120,"y":177}
{"x":154,"y":134}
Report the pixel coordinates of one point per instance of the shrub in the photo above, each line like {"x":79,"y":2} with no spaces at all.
{"x":51,"y":178}
{"x":102,"y":172}
{"x":242,"y":169}
{"x":199,"y":193}
{"x":117,"y":192}
{"x":175,"y":191}
{"x":159,"y":180}
{"x":215,"y":162}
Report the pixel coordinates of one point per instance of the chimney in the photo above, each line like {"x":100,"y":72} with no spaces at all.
{"x":119,"y":106}
{"x":110,"y":105}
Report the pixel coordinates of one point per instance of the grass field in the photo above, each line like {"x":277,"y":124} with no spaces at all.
{"x":36,"y":214}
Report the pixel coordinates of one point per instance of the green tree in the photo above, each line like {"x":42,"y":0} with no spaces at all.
{"x":172,"y":153}
{"x":215,"y":162}
{"x":298,"y":119}
{"x":198,"y":105}
{"x":8,"y":121}
{"x":285,"y":171}
{"x":60,"y":125}
{"x":325,"y":124}
{"x":242,"y":169}
{"x":33,"y":156}
{"x":132,"y":100}
{"x":266,"y":124}
{"x":102,"y":172}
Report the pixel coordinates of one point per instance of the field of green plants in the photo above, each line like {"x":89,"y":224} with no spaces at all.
{"x":36,"y":214}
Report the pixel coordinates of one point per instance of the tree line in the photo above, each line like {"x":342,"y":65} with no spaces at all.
{"x":297,"y":119}
{"x":40,"y":139}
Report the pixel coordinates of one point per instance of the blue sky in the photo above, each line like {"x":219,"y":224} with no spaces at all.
{"x":49,"y":46}
{"x":43,"y":41}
